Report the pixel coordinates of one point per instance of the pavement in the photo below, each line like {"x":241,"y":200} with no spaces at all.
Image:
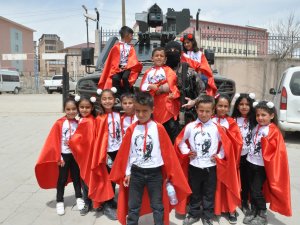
{"x":25,"y":121}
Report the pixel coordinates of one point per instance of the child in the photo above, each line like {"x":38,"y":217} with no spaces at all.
{"x":128,"y":118}
{"x":121,"y":66}
{"x":268,"y":168}
{"x":56,"y":161}
{"x":234,"y":134}
{"x":160,"y":81}
{"x":146,"y":159}
{"x":197,"y":60}
{"x":244,"y":115}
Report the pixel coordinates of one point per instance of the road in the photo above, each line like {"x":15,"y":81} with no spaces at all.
{"x":25,"y":121}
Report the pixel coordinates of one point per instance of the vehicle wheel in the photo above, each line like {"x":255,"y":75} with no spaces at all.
{"x":16,"y":91}
{"x":49,"y":92}
{"x":284,"y":133}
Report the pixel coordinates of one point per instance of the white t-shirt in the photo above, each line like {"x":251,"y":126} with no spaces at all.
{"x":196,"y":56}
{"x":151,"y":156}
{"x":255,"y":154}
{"x":127,"y":121}
{"x":244,"y":126}
{"x":154,"y":76}
{"x":204,"y":140}
{"x":114,"y":131}
{"x":124,"y":53}
{"x":66,"y":135}
{"x":221,"y":121}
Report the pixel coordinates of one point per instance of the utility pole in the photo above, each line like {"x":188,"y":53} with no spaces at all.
{"x":123,"y":13}
{"x":87,"y":26}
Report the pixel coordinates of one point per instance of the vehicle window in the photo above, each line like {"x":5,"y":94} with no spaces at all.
{"x":295,"y":84}
{"x":57,"y":78}
{"x":10,"y":78}
{"x":88,"y":85}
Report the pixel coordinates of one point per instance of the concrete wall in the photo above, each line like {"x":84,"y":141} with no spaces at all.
{"x":256,"y":75}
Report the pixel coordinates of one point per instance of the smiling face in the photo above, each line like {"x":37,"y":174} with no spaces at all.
{"x":70,"y":110}
{"x":128,"y":38}
{"x":244,"y":107}
{"x":188,"y":44}
{"x":85,"y":108}
{"x":263,"y":118}
{"x":107,"y":101}
{"x":159,"y":58}
{"x":222,"y":107}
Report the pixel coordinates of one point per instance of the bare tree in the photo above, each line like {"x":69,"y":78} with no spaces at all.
{"x":285,"y":37}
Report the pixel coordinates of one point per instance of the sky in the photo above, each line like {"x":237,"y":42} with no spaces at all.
{"x":65,"y":18}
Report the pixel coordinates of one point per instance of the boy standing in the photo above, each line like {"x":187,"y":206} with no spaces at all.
{"x":146,"y":159}
{"x":121,"y":66}
{"x":129,"y":117}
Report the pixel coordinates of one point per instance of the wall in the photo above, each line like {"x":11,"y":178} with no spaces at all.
{"x":256,"y":75}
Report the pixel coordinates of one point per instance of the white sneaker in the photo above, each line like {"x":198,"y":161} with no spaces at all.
{"x":60,"y":208}
{"x":80,"y":203}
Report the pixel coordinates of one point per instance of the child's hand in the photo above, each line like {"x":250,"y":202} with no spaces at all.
{"x":61,"y":163}
{"x":189,"y":104}
{"x":213,"y":157}
{"x":152,"y":87}
{"x":192,"y":154}
{"x":126,"y":181}
{"x":66,"y":142}
{"x":171,"y":96}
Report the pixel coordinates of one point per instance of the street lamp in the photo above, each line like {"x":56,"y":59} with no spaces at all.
{"x":97,"y":12}
{"x":87,"y":26}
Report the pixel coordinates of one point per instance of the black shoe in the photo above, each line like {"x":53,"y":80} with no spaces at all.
{"x":113,"y":204}
{"x":260,"y":219}
{"x":245,"y":207}
{"x":190,"y":220}
{"x":207,"y":222}
{"x":232,"y":218}
{"x":109,"y":212}
{"x":85,"y":210}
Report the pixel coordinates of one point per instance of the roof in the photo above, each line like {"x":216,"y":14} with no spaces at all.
{"x":17,"y":24}
{"x":82,"y":45}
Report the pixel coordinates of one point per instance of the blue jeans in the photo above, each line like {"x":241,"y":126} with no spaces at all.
{"x":152,"y":179}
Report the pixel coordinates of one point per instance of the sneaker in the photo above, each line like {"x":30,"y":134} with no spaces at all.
{"x":245,"y":207}
{"x":190,"y":220}
{"x":232,"y":218}
{"x":60,"y":208}
{"x":109,"y":212}
{"x":249,"y":216}
{"x":260,"y":219}
{"x":207,"y":222}
{"x":85,"y":210}
{"x":80,"y":203}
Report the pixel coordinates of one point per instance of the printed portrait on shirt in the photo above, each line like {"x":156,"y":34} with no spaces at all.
{"x":115,"y":141}
{"x":156,"y":78}
{"x":144,"y":154}
{"x":202,"y":142}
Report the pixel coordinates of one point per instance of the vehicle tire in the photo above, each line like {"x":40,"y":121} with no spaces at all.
{"x":16,"y":91}
{"x":49,"y":91}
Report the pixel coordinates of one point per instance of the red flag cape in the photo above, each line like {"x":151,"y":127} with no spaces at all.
{"x":227,"y":181}
{"x":46,"y":167}
{"x":277,"y":187}
{"x":204,"y":68}
{"x":164,"y":107}
{"x":112,"y":67}
{"x":171,"y":170}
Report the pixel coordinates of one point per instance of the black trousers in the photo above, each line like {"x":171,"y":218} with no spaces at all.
{"x":203,"y":185}
{"x":244,"y":179}
{"x":153,"y":180}
{"x":116,"y":82}
{"x":85,"y":194}
{"x":257,"y":177}
{"x":70,"y":165}
{"x":113,"y":156}
{"x":173,"y":128}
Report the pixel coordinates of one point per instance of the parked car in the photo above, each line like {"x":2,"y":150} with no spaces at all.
{"x":55,"y":84}
{"x":287,"y":100}
{"x":10,"y":81}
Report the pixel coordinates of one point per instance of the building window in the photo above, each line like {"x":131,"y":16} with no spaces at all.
{"x":17,"y":36}
{"x":253,"y":52}
{"x":240,"y":51}
{"x":229,"y":50}
{"x":214,"y":49}
{"x":17,"y":48}
{"x":244,"y":52}
{"x":234,"y":51}
{"x":225,"y":50}
{"x":207,"y":27}
{"x":219,"y":49}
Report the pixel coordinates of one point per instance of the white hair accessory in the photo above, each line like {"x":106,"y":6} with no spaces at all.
{"x":93,"y":99}
{"x":255,"y":104}
{"x":252,"y":96}
{"x":237,"y":95}
{"x":270,"y":105}
{"x":77,"y":98}
{"x":114,"y":90}
{"x":99,"y":91}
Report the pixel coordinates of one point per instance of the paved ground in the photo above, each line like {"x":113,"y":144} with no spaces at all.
{"x":25,"y":121}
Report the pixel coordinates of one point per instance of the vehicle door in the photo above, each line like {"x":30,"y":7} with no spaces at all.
{"x":1,"y":83}
{"x":293,"y":99}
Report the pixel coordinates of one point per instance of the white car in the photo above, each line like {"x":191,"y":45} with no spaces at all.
{"x":287,"y":100}
{"x":56,"y":84}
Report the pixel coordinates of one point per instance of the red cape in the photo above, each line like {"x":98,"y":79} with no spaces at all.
{"x":227,"y":188}
{"x":205,"y":69}
{"x":164,"y":107}
{"x":46,"y":168}
{"x":112,"y":67}
{"x":277,"y":187}
{"x":171,"y":170}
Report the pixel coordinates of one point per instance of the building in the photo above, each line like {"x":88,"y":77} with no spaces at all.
{"x":50,"y":43}
{"x":16,"y":39}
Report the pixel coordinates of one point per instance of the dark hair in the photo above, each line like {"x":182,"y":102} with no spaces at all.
{"x":205,"y":99}
{"x":219,"y":96}
{"x":69,"y":100}
{"x":192,"y":39}
{"x":127,"y":95}
{"x":102,"y":110}
{"x":144,"y":98}
{"x":251,"y":114}
{"x":86,"y":98}
{"x":158,"y":49}
{"x":263,"y":105}
{"x":125,"y":30}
